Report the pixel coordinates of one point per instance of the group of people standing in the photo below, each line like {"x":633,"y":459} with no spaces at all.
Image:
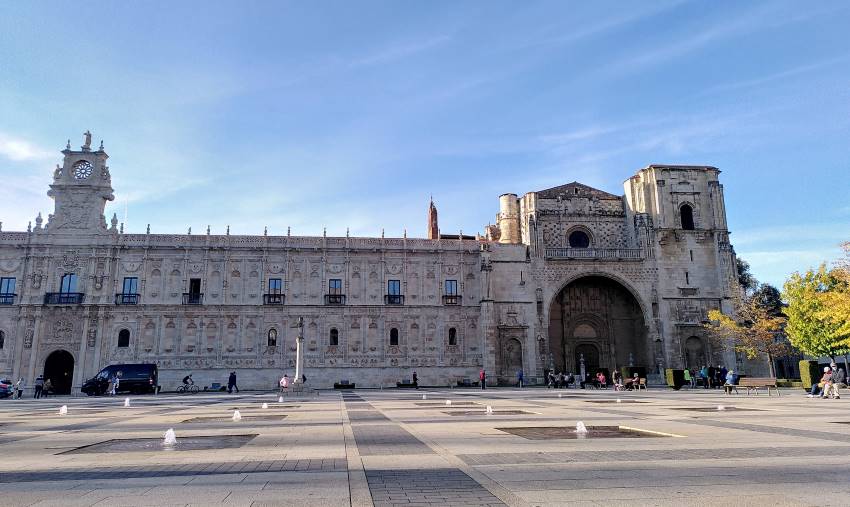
{"x":558,"y":380}
{"x":710,"y":377}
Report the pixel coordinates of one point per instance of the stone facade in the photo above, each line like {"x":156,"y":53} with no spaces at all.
{"x":570,"y":275}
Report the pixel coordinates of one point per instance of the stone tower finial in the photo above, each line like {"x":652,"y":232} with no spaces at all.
{"x":288,"y":230}
{"x":227,"y":233}
{"x":433,"y":225}
{"x":148,"y":230}
{"x":208,"y":230}
{"x":265,"y":231}
{"x":114,"y":221}
{"x":101,"y":145}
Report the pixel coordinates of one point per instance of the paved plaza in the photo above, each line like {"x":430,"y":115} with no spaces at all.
{"x":392,"y":447}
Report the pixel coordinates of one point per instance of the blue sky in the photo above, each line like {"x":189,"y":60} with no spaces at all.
{"x":351,"y":114}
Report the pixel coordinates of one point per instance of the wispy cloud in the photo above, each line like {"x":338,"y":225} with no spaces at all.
{"x":770,"y":78}
{"x":19,"y":150}
{"x":399,"y":51}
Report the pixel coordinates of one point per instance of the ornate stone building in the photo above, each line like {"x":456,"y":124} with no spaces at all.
{"x":570,"y":276}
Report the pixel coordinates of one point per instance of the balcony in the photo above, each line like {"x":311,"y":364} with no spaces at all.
{"x":393,"y":299}
{"x":64,"y":298}
{"x":193,"y":298}
{"x":126,"y":299}
{"x":452,"y":299}
{"x":7,"y":299}
{"x":595,"y":253}
{"x":274,"y":299}
{"x":335,"y":299}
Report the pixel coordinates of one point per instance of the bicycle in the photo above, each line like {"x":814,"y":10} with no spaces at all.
{"x":188,"y":388}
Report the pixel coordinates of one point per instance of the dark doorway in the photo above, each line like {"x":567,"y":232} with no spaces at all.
{"x":591,"y":358}
{"x":59,"y":369}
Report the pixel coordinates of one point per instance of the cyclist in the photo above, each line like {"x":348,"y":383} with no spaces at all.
{"x":187,"y":380}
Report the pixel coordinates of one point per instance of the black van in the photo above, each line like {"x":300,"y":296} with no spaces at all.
{"x":133,"y":378}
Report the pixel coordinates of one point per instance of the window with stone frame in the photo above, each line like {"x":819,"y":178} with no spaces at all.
{"x":333,"y":339}
{"x":124,"y":338}
{"x":452,"y":336}
{"x":272,"y":337}
{"x":394,"y":337}
{"x":579,"y":239}
{"x":686,"y":216}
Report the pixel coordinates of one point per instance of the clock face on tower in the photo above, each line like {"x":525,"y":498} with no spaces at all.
{"x":82,"y":169}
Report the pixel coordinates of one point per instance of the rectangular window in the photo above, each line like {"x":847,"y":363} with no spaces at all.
{"x":275,"y":286}
{"x":451,"y":287}
{"x":131,"y":285}
{"x":69,"y":284}
{"x":335,"y":286}
{"x":7,"y":285}
{"x":394,"y":287}
{"x":195,"y":286}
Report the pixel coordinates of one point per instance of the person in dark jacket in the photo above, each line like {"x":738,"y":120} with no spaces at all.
{"x":231,"y":383}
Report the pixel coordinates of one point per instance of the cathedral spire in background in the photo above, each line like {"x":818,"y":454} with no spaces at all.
{"x":433,"y":226}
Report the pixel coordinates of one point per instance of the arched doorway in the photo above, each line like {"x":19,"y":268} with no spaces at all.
{"x":694,"y":352}
{"x":59,"y":369}
{"x":511,"y":361}
{"x":599,"y":318}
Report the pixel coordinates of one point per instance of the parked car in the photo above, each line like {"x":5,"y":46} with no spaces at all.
{"x":7,"y":388}
{"x":133,"y":378}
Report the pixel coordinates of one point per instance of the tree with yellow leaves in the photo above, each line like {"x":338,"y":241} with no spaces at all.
{"x":754,"y":330}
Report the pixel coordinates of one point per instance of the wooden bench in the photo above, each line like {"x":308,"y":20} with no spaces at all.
{"x":755,"y":383}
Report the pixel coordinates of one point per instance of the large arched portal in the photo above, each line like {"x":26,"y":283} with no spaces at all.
{"x":59,"y":369}
{"x":598,"y":321}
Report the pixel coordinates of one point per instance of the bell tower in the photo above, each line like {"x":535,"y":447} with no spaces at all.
{"x":80,"y":189}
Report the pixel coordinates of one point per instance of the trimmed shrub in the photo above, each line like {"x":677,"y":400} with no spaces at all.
{"x":810,"y":373}
{"x":675,"y":378}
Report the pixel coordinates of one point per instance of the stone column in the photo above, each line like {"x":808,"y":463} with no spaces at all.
{"x":299,"y":352}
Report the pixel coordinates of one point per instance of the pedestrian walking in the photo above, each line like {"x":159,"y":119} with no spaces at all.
{"x":47,"y":388}
{"x":116,"y":381}
{"x":39,"y":386}
{"x":284,"y":383}
{"x":482,"y":377}
{"x":19,"y":388}
{"x":519,"y":377}
{"x":415,"y":380}
{"x":231,"y":383}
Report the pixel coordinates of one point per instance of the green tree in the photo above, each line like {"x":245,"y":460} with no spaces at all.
{"x":813,"y":326}
{"x":746,"y":279}
{"x":768,"y":297}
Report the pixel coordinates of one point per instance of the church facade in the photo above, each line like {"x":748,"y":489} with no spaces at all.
{"x":569,"y":278}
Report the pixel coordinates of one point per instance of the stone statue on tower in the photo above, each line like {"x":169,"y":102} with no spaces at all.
{"x":87,"y":143}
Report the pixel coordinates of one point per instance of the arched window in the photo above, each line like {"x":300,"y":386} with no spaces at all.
{"x":394,"y":337}
{"x":579,"y":239}
{"x":272,"y":337}
{"x":687,"y":215}
{"x":452,"y":336}
{"x":124,"y":338}
{"x":334,"y":337}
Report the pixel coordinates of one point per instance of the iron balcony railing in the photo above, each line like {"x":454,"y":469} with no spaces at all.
{"x":7,"y":298}
{"x":64,"y":298}
{"x":334,"y":299}
{"x":193,"y":298}
{"x":452,"y":299}
{"x":274,"y":299}
{"x":126,"y":299}
{"x":393,"y":299}
{"x":595,"y":253}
